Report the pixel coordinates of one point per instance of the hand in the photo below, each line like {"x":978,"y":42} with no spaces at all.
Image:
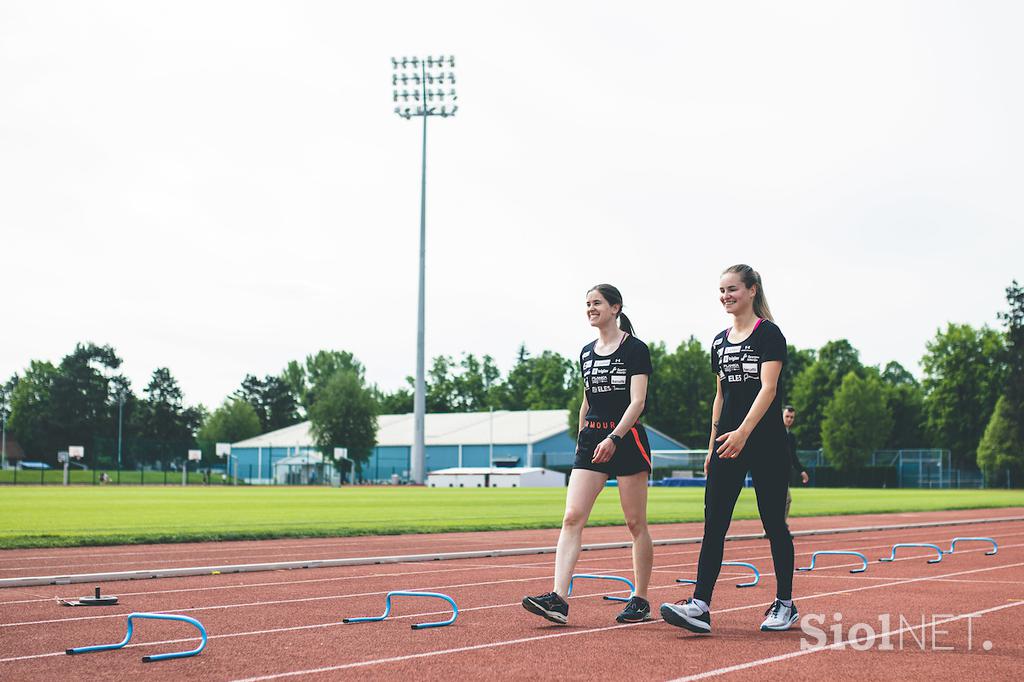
{"x":804,"y":477}
{"x":732,"y":443}
{"x":707,"y":462}
{"x":604,"y":451}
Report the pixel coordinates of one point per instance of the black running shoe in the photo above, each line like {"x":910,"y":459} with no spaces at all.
{"x":550,"y":606}
{"x":637,"y":610}
{"x":686,"y":614}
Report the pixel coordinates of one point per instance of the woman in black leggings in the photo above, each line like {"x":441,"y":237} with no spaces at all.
{"x":747,"y":434}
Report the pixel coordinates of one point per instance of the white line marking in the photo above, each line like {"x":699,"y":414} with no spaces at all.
{"x":441,"y":652}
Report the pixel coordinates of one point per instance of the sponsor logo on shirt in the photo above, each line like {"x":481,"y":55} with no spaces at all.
{"x":602,"y":363}
{"x":750,"y":367}
{"x":598,"y":380}
{"x":718,"y":342}
{"x":719,"y":352}
{"x":732,"y":367}
{"x":734,"y":349}
{"x":747,"y":357}
{"x":730,"y":358}
{"x":618,"y":379}
{"x":733,"y":378}
{"x":587,"y":364}
{"x":602,"y":389}
{"x":586,"y":354}
{"x":752,"y":377}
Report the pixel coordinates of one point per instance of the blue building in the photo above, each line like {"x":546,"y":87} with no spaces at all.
{"x":537,"y":438}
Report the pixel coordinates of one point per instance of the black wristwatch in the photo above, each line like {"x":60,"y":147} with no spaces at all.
{"x":615,"y":439}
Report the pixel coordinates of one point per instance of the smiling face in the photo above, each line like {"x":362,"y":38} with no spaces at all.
{"x":599,"y":311}
{"x":736,"y":298}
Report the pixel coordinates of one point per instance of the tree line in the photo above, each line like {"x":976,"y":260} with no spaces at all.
{"x":970,"y":399}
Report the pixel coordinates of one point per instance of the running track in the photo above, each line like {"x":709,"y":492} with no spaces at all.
{"x":286,"y":624}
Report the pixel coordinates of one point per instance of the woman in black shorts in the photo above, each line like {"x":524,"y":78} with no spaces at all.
{"x":747,"y":434}
{"x":611,"y":444}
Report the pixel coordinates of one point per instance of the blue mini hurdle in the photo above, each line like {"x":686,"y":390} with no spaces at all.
{"x":416,"y":626}
{"x":632,"y":588}
{"x":952,"y":545}
{"x":814,"y":557}
{"x":131,"y":629}
{"x":892,"y":556}
{"x":752,"y":567}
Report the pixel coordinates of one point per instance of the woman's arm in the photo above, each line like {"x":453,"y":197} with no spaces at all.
{"x":733,"y":442}
{"x":637,"y":399}
{"x":716,"y":414}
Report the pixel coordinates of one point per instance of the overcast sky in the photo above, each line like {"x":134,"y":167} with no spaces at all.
{"x":221,"y":187}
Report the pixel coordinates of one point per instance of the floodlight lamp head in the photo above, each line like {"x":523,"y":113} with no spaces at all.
{"x":394,"y":63}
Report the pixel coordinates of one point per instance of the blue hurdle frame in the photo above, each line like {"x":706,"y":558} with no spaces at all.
{"x":415,"y":626}
{"x":952,"y":545}
{"x":131,"y":629}
{"x":589,"y":576}
{"x":814,"y":557}
{"x":752,"y":567}
{"x":892,"y":556}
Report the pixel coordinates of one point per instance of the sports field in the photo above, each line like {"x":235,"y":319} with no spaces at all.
{"x":54,"y":517}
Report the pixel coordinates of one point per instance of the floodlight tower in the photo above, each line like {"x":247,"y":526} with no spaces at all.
{"x":430,"y":83}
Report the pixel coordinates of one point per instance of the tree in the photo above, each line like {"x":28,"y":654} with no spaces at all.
{"x":543,"y":382}
{"x":163,"y":415}
{"x":681,"y":392}
{"x":305,"y":380}
{"x":1014,"y":358}
{"x":345,"y":415}
{"x":857,"y":422}
{"x":233,"y":421}
{"x":1001,"y":450}
{"x":272,"y":399}
{"x":32,"y":420}
{"x":964,"y":374}
{"x":814,"y":387}
{"x":797,"y":360}
{"x":904,"y":398}
{"x":399,"y":401}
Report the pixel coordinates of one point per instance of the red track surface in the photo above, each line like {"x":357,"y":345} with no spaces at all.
{"x":274,"y":623}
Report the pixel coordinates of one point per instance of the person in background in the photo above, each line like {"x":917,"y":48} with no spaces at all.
{"x":788,"y":417}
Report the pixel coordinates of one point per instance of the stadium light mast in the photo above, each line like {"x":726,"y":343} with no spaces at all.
{"x":430,"y":84}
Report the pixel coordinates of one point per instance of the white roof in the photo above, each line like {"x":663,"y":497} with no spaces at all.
{"x":465,"y":428}
{"x":308,"y":458}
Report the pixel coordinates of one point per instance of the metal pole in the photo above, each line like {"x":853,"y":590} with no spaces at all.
{"x":420,"y":401}
{"x":490,"y":451}
{"x":3,"y":438}
{"x":120,"y":422}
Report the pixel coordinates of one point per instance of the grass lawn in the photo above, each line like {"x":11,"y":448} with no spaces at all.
{"x":95,"y":515}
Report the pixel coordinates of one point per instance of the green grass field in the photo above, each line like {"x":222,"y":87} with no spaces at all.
{"x":90,"y":477}
{"x":94,"y":515}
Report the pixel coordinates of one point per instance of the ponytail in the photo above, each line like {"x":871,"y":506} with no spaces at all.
{"x":614,"y":297}
{"x":751,"y":278}
{"x":625,"y":325}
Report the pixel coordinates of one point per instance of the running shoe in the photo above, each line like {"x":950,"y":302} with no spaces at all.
{"x":550,"y":606}
{"x":637,"y":610}
{"x":686,"y":614}
{"x":780,"y":617}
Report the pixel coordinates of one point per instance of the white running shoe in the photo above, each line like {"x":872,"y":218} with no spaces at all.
{"x":686,"y":614}
{"x":780,"y":617}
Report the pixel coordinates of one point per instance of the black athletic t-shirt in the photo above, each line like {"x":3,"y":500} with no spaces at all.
{"x":738,"y":366}
{"x":607,"y":378}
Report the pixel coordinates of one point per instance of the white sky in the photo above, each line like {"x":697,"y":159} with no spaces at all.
{"x":221,"y":187}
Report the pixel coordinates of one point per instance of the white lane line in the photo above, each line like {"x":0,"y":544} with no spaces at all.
{"x":441,"y":652}
{"x":466,"y":567}
{"x":841,"y":644}
{"x":757,"y":605}
{"x":298,"y":600}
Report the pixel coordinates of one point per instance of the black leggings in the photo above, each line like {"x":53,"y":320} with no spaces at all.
{"x":770,"y":473}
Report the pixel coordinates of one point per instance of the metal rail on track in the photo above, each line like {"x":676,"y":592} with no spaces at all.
{"x":146,"y":574}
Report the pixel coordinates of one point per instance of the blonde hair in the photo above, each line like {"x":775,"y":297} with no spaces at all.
{"x":750,"y":278}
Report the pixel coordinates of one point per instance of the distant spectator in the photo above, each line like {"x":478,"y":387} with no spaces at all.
{"x":788,"y":417}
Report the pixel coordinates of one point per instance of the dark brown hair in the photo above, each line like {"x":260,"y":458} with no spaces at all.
{"x":614,"y":297}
